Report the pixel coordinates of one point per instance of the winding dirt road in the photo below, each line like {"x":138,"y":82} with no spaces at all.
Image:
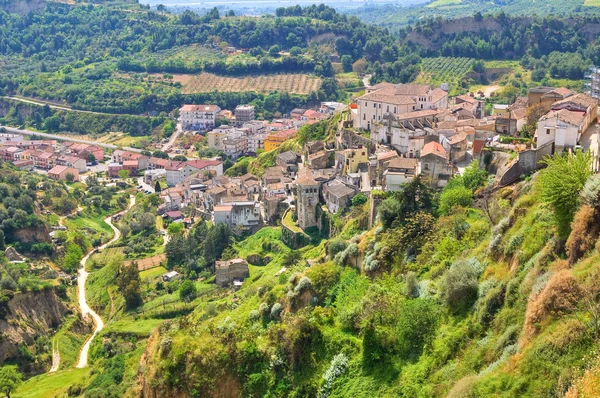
{"x":82,"y":278}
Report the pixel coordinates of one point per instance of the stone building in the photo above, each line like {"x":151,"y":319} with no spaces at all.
{"x":308,"y":200}
{"x":227,"y":273}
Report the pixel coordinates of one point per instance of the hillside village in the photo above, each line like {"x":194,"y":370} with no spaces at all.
{"x":384,"y":139}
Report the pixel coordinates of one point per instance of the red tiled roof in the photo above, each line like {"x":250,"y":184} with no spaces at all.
{"x":434,"y":148}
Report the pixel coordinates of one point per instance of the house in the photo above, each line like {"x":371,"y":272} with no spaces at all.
{"x":312,"y":116}
{"x":171,"y":276}
{"x":10,"y":153}
{"x":348,"y":160}
{"x":297,"y":113}
{"x":10,"y":137}
{"x":175,"y":215}
{"x":471,"y":104}
{"x":514,"y":120}
{"x":72,"y":161}
{"x":244,"y":113}
{"x":332,"y":107}
{"x":256,"y":142}
{"x":276,"y":139}
{"x":198,"y":117}
{"x":567,"y":120}
{"x":321,"y":159}
{"x":230,"y":271}
{"x":289,"y":161}
{"x":398,"y":130}
{"x":337,"y":195}
{"x":397,"y":99}
{"x":177,"y":172}
{"x":61,"y":173}
{"x":399,"y":171}
{"x":131,"y":166}
{"x":434,"y":164}
{"x":113,"y":169}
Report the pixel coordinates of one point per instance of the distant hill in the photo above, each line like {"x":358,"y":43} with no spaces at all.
{"x":395,"y":17}
{"x":22,"y":6}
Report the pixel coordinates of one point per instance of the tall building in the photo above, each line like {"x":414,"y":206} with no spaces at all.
{"x":592,"y":82}
{"x":200,"y":117}
{"x":244,"y":113}
{"x":308,"y":200}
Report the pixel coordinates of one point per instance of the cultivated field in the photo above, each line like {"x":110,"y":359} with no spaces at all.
{"x":291,"y":83}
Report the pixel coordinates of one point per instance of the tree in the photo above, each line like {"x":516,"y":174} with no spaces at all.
{"x":157,"y":188}
{"x":70,"y":177}
{"x":187,"y":290}
{"x":560,"y":184}
{"x":52,"y":124}
{"x":175,"y":228}
{"x":295,"y":51}
{"x":274,"y":50}
{"x":347,"y":63}
{"x":457,"y":196}
{"x":90,"y":158}
{"x":359,"y":67}
{"x":129,"y":285}
{"x":10,"y":379}
{"x":180,"y":158}
{"x":538,"y":75}
{"x":123,"y":174}
{"x":359,"y":199}
{"x":458,"y":288}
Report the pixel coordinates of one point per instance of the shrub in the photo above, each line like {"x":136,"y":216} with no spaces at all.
{"x":264,"y":309}
{"x":590,"y":194}
{"x":456,"y":196}
{"x":342,"y":257}
{"x":338,"y":366}
{"x":187,"y":290}
{"x":303,"y":284}
{"x":276,"y":311}
{"x":335,"y":246}
{"x":584,"y":233}
{"x":412,"y":285}
{"x":559,"y":296}
{"x":490,"y":304}
{"x":417,"y":322}
{"x":254,"y":316}
{"x":458,"y":288}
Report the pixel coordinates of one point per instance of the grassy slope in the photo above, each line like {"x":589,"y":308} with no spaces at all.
{"x":51,"y":385}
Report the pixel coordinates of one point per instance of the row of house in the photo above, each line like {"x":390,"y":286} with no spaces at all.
{"x":174,"y":171}
{"x":49,"y":155}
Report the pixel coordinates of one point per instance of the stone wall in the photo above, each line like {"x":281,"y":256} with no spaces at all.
{"x":528,"y":162}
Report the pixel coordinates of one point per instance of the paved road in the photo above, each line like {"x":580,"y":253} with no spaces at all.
{"x":55,"y":106}
{"x":365,"y":80}
{"x":174,"y":137}
{"x":83,"y":305}
{"x":55,"y":357}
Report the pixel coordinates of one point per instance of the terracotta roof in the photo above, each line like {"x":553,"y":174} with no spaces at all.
{"x":433,"y":148}
{"x":387,"y":155}
{"x":466,"y":98}
{"x":437,"y":94}
{"x":580,"y":99}
{"x":130,"y":163}
{"x":456,"y":138}
{"x":403,"y":163}
{"x":565,"y":115}
{"x":202,"y":163}
{"x":199,"y":108}
{"x":417,"y":114}
{"x":306,"y":178}
{"x":561,"y":91}
{"x":412,"y":89}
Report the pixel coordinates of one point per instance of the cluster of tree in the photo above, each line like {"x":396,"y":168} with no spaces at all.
{"x":200,"y":248}
{"x":17,"y":211}
{"x":558,"y":65}
{"x":505,"y":37}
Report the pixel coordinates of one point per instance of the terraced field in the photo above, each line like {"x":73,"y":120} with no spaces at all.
{"x":291,"y":83}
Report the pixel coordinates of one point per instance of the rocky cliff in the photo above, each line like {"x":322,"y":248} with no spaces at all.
{"x":29,"y":316}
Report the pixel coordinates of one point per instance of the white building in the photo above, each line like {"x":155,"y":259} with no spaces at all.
{"x":7,"y":137}
{"x":397,"y":99}
{"x":198,"y":117}
{"x":238,"y":214}
{"x":256,"y":141}
{"x":177,"y":172}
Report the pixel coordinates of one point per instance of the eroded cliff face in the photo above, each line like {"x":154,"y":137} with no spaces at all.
{"x":30,"y":315}
{"x":22,"y":7}
{"x":151,"y":384}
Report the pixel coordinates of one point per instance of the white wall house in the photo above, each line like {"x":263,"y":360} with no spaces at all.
{"x":198,"y":117}
{"x":559,"y":127}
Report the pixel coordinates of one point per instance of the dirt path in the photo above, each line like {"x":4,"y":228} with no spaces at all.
{"x":488,"y":90}
{"x":82,"y":278}
{"x":55,"y":357}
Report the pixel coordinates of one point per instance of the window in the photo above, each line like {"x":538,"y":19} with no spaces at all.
{"x":364,"y":116}
{"x":388,"y":108}
{"x":394,"y":109}
{"x":379,"y":106}
{"x":373,"y":117}
{"x":366,"y":103}
{"x":374,"y":105}
{"x":413,"y":107}
{"x":426,"y":166}
{"x":547,"y":131}
{"x":421,"y":106}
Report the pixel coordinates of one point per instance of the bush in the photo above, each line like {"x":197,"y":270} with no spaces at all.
{"x":585,"y":229}
{"x":254,"y":316}
{"x":187,"y":290}
{"x":590,"y":194}
{"x":417,"y":322}
{"x":559,"y":296}
{"x":456,"y":196}
{"x":458,"y":288}
{"x":303,"y":284}
{"x":338,"y":366}
{"x":264,"y":309}
{"x":335,"y":246}
{"x":276,"y":311}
